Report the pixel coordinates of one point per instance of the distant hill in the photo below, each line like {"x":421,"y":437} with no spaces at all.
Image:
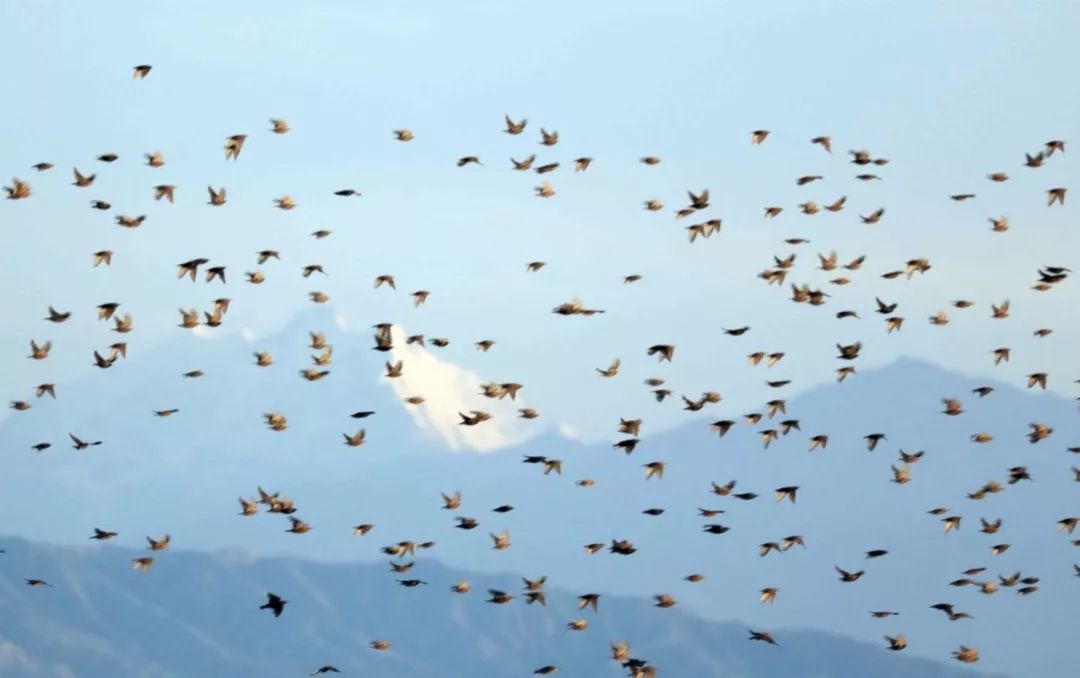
{"x":183,"y":474}
{"x":197,"y":614}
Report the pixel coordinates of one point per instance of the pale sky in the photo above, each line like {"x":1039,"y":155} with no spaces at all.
{"x":947,"y":91}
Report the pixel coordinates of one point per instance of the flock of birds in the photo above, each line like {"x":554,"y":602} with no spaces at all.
{"x":775,"y":273}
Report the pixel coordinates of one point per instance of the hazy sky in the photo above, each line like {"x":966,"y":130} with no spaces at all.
{"x":947,"y":91}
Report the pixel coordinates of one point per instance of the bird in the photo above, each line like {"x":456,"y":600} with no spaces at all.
{"x":763,"y":636}
{"x":274,"y":603}
{"x":20,"y":190}
{"x":515,"y":128}
{"x":846,"y":576}
{"x":103,"y":535}
{"x":80,"y":444}
{"x":233,"y":145}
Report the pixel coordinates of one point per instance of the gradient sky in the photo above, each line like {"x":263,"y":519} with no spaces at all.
{"x":947,"y":91}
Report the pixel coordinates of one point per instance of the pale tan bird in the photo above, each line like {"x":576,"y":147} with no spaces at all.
{"x":1055,"y":195}
{"x":189,"y":319}
{"x":548,"y":138}
{"x":501,"y":541}
{"x":611,"y":370}
{"x":103,"y":257}
{"x":837,"y":205}
{"x":298,"y":526}
{"x":81,"y":180}
{"x":123,"y":324}
{"x":130,"y":222}
{"x":874,"y":217}
{"x":155,"y":159}
{"x":276,"y":421}
{"x":279,"y":126}
{"x":525,"y":164}
{"x":142,"y":564}
{"x":1000,"y":310}
{"x":285,"y":203}
{"x":897,"y":642}
{"x":828,"y":263}
{"x":233,"y":145}
{"x":664,"y":600}
{"x":39,"y":352}
{"x":968,"y":655}
{"x":514,"y":127}
{"x":385,"y":279}
{"x":20,"y":190}
{"x":167,"y":191}
{"x":545,"y":190}
{"x":355,"y":440}
{"x":758,"y":136}
{"x":248,"y":507}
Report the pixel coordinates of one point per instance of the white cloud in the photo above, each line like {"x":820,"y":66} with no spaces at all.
{"x":248,"y":334}
{"x":203,"y":332}
{"x":341,"y":321}
{"x":449,"y":389}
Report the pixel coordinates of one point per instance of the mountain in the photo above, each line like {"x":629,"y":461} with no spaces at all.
{"x":197,"y":614}
{"x":183,"y":474}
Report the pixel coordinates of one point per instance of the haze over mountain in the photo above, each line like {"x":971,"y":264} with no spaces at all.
{"x":154,"y":464}
{"x":197,"y":614}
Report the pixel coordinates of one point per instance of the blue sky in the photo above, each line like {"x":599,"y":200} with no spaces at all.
{"x":947,"y":91}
